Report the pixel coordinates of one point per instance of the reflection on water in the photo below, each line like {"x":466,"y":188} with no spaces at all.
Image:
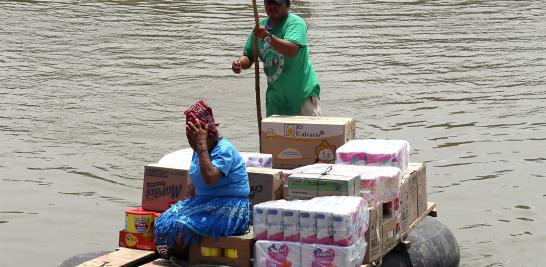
{"x":92,"y":91}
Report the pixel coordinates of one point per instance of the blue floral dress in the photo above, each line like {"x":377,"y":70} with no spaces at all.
{"x":220,"y":209}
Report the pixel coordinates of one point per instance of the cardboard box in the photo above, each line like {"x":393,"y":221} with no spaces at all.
{"x":136,"y":241}
{"x":374,"y":235}
{"x":242,"y":244}
{"x":421,"y":174}
{"x":390,"y":233}
{"x":409,"y":186}
{"x":405,"y":221}
{"x":296,"y":141}
{"x":302,"y":187}
{"x":163,"y":186}
{"x":309,"y":185}
{"x":337,"y":185}
{"x":265,"y":184}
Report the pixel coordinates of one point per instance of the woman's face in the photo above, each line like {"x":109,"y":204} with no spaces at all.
{"x":274,"y":10}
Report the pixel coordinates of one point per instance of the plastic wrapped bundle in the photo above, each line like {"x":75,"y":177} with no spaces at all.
{"x":335,"y":220}
{"x":375,"y":152}
{"x":277,"y":254}
{"x":257,"y":159}
{"x":267,"y":219}
{"x":326,"y":255}
{"x":180,"y":158}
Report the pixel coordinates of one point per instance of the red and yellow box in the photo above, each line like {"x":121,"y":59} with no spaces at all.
{"x":136,"y":241}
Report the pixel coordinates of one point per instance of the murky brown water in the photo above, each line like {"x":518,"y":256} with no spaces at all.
{"x":91,"y":91}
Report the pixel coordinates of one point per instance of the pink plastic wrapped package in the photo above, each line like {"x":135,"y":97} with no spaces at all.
{"x":375,"y":152}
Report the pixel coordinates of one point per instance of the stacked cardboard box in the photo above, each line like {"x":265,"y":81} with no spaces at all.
{"x":299,"y":140}
{"x":230,"y":251}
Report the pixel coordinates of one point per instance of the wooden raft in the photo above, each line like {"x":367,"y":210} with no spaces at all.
{"x":122,"y":257}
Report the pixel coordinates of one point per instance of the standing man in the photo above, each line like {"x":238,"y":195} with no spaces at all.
{"x":292,"y":85}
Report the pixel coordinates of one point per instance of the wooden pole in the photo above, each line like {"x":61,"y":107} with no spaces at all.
{"x":257,"y":75}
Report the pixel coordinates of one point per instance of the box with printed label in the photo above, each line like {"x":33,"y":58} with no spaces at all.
{"x":163,"y":186}
{"x":265,"y":184}
{"x":230,"y":250}
{"x":390,"y":233}
{"x":374,"y":235}
{"x":301,"y":140}
{"x":309,"y":185}
{"x":143,"y":241}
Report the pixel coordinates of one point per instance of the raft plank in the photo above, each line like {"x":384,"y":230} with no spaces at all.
{"x":159,"y":262}
{"x":122,"y":257}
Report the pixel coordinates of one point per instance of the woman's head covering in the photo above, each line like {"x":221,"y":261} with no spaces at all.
{"x":202,"y":112}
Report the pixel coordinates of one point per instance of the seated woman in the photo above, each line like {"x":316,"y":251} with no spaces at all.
{"x":220,"y":206}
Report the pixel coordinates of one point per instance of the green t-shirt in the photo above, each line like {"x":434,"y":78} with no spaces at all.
{"x":290,"y":80}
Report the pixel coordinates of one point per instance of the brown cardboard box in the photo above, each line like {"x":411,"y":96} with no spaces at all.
{"x":242,"y":244}
{"x":390,"y":233}
{"x":417,"y":173}
{"x":265,"y":184}
{"x":409,"y":185}
{"x":163,"y":186}
{"x":374,"y":235}
{"x":422,"y":188}
{"x":300,"y":140}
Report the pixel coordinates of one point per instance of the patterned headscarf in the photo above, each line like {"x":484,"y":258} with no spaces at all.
{"x":202,"y":112}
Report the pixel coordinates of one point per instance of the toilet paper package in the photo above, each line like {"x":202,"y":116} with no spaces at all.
{"x":257,"y":159}
{"x":274,"y":220}
{"x":308,"y":225}
{"x":259,"y":218}
{"x":324,"y":220}
{"x":291,"y":220}
{"x":332,"y":220}
{"x":267,"y":220}
{"x":375,"y":152}
{"x":318,"y":255}
{"x":277,"y":254}
{"x":378,"y":184}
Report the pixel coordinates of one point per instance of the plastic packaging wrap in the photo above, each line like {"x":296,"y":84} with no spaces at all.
{"x":266,"y":223}
{"x":375,"y":152}
{"x":335,"y":220}
{"x":318,"y":255}
{"x":277,"y":254}
{"x":257,"y":159}
{"x":294,"y":254}
{"x":180,"y":158}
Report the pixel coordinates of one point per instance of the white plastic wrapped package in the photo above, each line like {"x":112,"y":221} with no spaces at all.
{"x":377,"y":184}
{"x":318,"y":255}
{"x":266,"y":225}
{"x":294,"y":254}
{"x":335,"y":220}
{"x":257,"y":159}
{"x":180,"y":158}
{"x":277,"y":254}
{"x":375,"y":152}
{"x":291,"y":220}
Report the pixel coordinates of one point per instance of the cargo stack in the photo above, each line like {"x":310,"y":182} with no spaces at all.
{"x":323,"y":231}
{"x":318,"y":197}
{"x":168,"y":182}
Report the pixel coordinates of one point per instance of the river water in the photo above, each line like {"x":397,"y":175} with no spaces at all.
{"x":91,"y":91}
